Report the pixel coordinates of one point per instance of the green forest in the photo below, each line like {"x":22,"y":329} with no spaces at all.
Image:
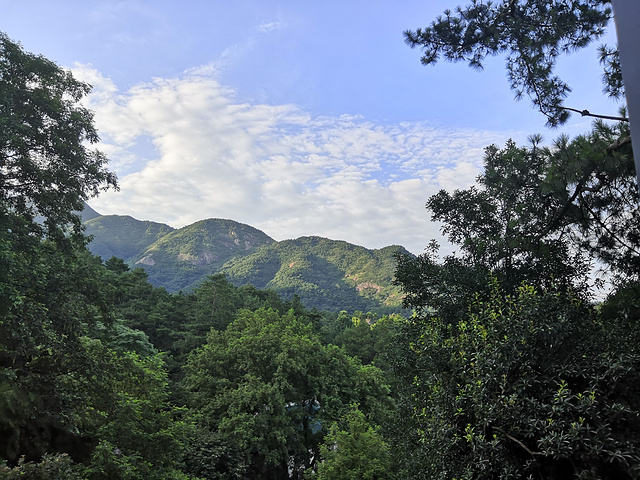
{"x":507,"y":366}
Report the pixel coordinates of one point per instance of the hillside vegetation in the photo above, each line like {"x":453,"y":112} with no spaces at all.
{"x":325,"y":274}
{"x":122,"y":236}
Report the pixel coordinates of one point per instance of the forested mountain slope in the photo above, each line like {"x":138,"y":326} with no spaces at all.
{"x":324,"y":273}
{"x":122,"y":236}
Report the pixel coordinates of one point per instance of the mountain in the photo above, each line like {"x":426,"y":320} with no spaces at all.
{"x":122,"y":236}
{"x":324,"y":273}
{"x":327,"y":274}
{"x":88,"y":213}
{"x":186,"y":256}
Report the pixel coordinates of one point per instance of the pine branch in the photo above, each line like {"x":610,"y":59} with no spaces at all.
{"x":587,"y":113}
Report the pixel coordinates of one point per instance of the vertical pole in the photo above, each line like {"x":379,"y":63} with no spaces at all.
{"x":626,"y":14}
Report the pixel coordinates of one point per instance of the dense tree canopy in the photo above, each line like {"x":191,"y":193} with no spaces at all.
{"x":268,"y":386}
{"x":354,"y":450}
{"x":49,"y":290}
{"x":508,"y":368}
{"x":508,"y":371}
{"x":74,"y":380}
{"x":528,"y":385}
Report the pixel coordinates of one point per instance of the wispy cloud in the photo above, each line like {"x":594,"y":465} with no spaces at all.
{"x":186,"y":149}
{"x":270,"y":27}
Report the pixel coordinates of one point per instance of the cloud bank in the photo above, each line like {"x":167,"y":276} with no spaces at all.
{"x":186,"y":149}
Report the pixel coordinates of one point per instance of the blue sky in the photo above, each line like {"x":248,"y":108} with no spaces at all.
{"x":298,"y":118}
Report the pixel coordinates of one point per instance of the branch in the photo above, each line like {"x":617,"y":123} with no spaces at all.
{"x":555,"y":222}
{"x":605,"y":227}
{"x":587,"y":113}
{"x":530,"y":452}
{"x":618,"y":143}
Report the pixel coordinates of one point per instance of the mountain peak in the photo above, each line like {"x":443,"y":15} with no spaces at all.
{"x":324,"y":273}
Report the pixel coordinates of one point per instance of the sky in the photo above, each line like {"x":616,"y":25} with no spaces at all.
{"x":297,"y":118}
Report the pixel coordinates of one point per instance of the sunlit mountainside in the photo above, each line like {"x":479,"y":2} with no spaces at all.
{"x":326,"y":274}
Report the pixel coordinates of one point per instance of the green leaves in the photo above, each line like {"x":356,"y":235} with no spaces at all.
{"x":525,"y":379}
{"x":532,"y":34}
{"x":141,"y":435}
{"x":269,"y":387}
{"x":540,"y":215}
{"x":63,"y":392}
{"x":52,"y":467}
{"x":526,"y":384}
{"x":354,"y":450}
{"x":46,"y":168}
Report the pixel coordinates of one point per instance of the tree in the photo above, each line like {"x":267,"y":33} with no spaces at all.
{"x":354,"y":450}
{"x":144,"y":307}
{"x":364,"y":336}
{"x":46,"y":168}
{"x":50,"y":297}
{"x":532,"y":385}
{"x":507,"y":371}
{"x":49,"y":285}
{"x":52,"y":467}
{"x":591,"y":178}
{"x":116,"y":265}
{"x":267,"y":387}
{"x":539,"y":217}
{"x":141,"y":435}
{"x":532,"y":33}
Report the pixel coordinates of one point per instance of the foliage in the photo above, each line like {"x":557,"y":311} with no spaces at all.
{"x":497,"y":381}
{"x":213,"y":456}
{"x":624,"y":304}
{"x":101,"y":406}
{"x":594,"y":177}
{"x":46,"y":166}
{"x":503,"y":224}
{"x":532,"y":33}
{"x":49,"y":298}
{"x":116,"y":265}
{"x":532,"y":385}
{"x":52,"y":467}
{"x":145,"y":307}
{"x":540,"y":215}
{"x":267,"y":385}
{"x":526,"y":380}
{"x":49,"y":289}
{"x":356,"y":451}
{"x":363,"y":336}
{"x":141,"y":435}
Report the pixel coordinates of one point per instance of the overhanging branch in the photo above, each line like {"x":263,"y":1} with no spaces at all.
{"x":587,"y":113}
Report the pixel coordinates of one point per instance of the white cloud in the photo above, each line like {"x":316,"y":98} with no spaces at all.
{"x":270,"y":27}
{"x":185,"y":149}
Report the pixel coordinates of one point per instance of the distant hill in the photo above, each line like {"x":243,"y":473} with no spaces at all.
{"x":88,"y":213}
{"x":123,"y":236}
{"x":186,"y":256}
{"x":324,"y":273}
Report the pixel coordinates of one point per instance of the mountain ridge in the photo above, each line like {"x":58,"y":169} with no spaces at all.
{"x":323,"y":273}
